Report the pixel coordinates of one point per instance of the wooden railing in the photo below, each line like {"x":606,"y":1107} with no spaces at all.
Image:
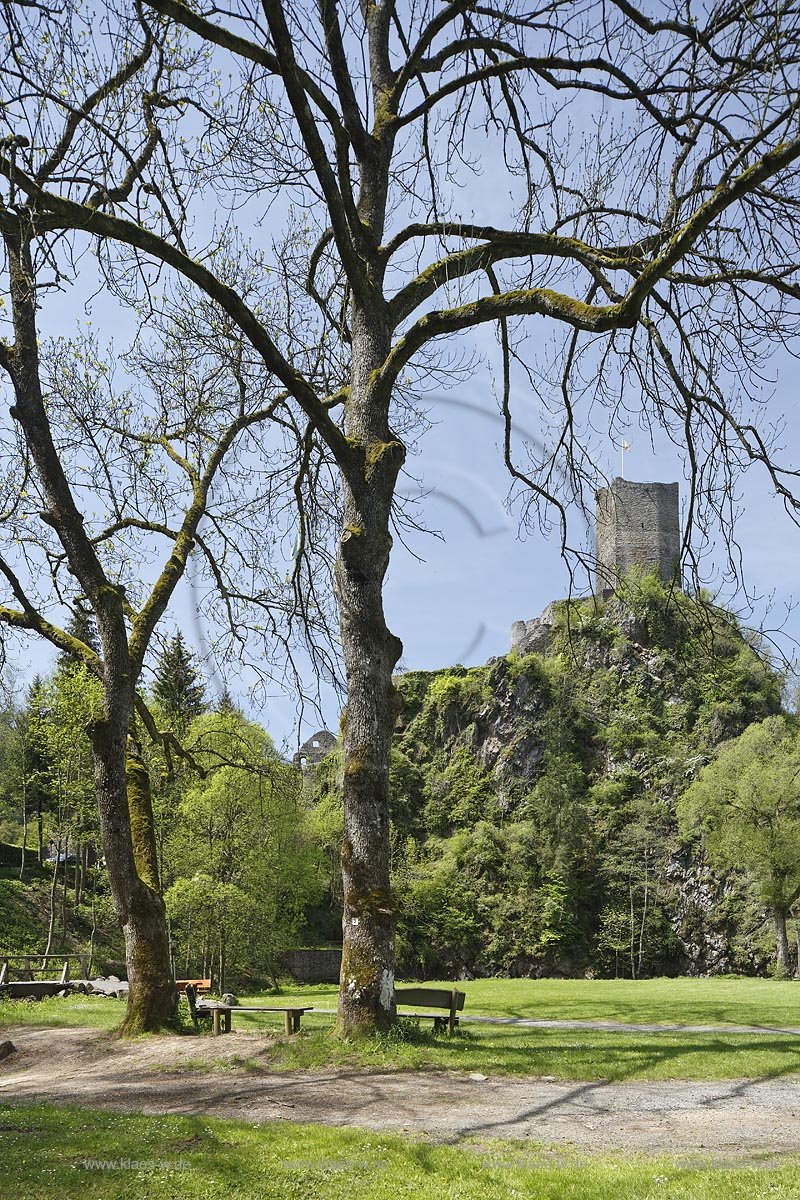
{"x":28,"y":969}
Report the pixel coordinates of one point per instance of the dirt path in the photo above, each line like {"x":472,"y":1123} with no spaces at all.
{"x":721,"y":1122}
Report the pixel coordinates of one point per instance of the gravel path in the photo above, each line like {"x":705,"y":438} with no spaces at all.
{"x":730,"y":1121}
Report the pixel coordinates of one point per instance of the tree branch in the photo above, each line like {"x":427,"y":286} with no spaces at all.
{"x":71,"y":215}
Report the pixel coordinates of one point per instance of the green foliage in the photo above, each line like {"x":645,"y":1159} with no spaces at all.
{"x":450,"y":699}
{"x":240,"y":855}
{"x":61,"y":713}
{"x":468,"y":904}
{"x":533,"y":800}
{"x":746,"y":807}
{"x":533,"y":668}
{"x":458,"y":796}
{"x":325,"y":830}
{"x":407,"y":792}
{"x":439,"y":907}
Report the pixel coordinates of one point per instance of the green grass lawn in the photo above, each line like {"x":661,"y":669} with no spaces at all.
{"x":521,"y":1050}
{"x":53,"y":1154}
{"x":97,"y":1012}
{"x":718,"y":1000}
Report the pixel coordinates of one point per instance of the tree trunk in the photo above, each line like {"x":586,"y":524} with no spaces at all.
{"x":24,"y":826}
{"x":80,"y":870}
{"x":53,"y":889}
{"x":64,"y":893}
{"x":643,"y":924}
{"x":128,"y":844}
{"x":366,"y":996}
{"x":140,"y":808}
{"x":633,"y":930}
{"x":172,"y":959}
{"x":782,"y":941}
{"x":92,"y":940}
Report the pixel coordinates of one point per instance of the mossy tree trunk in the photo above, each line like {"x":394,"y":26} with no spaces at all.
{"x":126,"y":824}
{"x":371,"y":651}
{"x":781,"y":940}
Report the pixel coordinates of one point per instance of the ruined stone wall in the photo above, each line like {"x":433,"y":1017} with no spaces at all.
{"x":638,"y":525}
{"x":313,"y":966}
{"x":528,"y":637}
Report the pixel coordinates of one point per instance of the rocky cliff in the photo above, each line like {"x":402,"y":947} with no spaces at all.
{"x":534,"y":798}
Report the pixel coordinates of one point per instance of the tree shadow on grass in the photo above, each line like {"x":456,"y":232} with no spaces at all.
{"x":590,"y":1052}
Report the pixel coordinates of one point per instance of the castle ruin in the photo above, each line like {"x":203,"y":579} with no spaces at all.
{"x":314,"y":749}
{"x":637,"y":526}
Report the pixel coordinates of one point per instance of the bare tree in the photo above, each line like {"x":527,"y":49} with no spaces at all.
{"x":643,"y":201}
{"x":106,"y":484}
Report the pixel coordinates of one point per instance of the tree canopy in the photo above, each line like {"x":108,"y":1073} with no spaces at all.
{"x":746,"y":807}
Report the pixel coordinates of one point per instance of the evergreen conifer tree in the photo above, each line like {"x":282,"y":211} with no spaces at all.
{"x":225,"y":706}
{"x":39,"y":793}
{"x":177,"y":685}
{"x":81,"y":625}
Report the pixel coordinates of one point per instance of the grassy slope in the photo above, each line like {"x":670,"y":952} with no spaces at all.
{"x":43,"y":1152}
{"x":22,"y":926}
{"x":25,"y":910}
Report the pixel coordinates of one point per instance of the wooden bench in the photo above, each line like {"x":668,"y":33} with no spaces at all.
{"x":201,"y":986}
{"x":452,"y":1000}
{"x":216,"y":1011}
{"x":208,"y":1010}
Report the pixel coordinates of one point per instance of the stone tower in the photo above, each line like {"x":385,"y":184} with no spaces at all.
{"x":637,"y":526}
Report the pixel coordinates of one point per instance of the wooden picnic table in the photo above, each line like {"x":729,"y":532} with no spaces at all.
{"x":200,"y":985}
